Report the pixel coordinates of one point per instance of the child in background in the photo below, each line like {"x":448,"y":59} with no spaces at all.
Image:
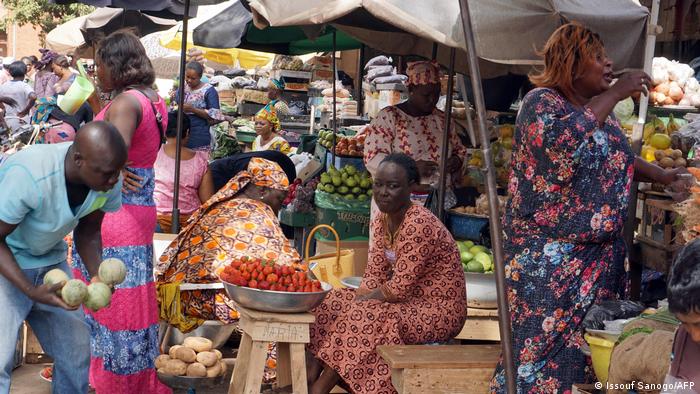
{"x":196,"y":183}
{"x":684,"y":303}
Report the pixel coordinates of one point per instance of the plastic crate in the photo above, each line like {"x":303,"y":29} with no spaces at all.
{"x":349,"y":225}
{"x":296,"y":219}
{"x":245,"y":137}
{"x":466,"y":227}
{"x":342,"y":161}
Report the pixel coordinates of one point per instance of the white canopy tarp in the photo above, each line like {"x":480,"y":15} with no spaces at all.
{"x":508,"y":32}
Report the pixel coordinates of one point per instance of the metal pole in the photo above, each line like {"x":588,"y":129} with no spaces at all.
{"x":175,"y":226}
{"x":335,"y":119}
{"x":358,"y":81}
{"x":494,"y":216}
{"x":435,"y":50}
{"x":442,"y":189}
{"x":637,"y":136}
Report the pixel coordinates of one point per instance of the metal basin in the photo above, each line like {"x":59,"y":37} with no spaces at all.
{"x":276,"y":301}
{"x":213,"y":330}
{"x":481,"y":290}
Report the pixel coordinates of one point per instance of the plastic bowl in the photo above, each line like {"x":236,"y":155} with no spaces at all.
{"x":276,"y":301}
{"x":601,"y":353}
{"x":481,"y":290}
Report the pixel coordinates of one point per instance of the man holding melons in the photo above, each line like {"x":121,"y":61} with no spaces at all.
{"x":47,"y":191}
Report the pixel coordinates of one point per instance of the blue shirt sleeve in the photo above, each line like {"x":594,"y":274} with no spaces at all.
{"x":19,"y":193}
{"x":114,"y":198}
{"x":211,"y":97}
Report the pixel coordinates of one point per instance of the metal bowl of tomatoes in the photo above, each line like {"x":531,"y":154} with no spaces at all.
{"x":269,"y":287}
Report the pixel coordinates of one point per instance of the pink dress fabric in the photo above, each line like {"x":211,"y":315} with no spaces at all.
{"x":124,"y":336}
{"x":191,"y":173}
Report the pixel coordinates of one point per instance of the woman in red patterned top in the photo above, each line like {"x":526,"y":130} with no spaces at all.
{"x":415,"y":127}
{"x":412,"y":292}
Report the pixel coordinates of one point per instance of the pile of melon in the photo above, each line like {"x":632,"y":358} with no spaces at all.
{"x":195,"y":358}
{"x":94,"y":296}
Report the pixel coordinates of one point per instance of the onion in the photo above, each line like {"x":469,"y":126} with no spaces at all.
{"x":662,"y":88}
{"x":659,"y":76}
{"x":675,"y":92}
{"x":669,"y":101}
{"x":660,"y":98}
{"x":695,"y":100}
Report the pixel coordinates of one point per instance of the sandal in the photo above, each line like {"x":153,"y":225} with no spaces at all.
{"x":47,"y":373}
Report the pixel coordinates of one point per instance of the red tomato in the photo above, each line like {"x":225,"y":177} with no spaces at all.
{"x":253,"y":284}
{"x":246,"y":275}
{"x":261,"y":277}
{"x":285,"y":270}
{"x":307,"y":288}
{"x":244,"y":259}
{"x":291,"y":289}
{"x":267,"y":270}
{"x":264,"y":285}
{"x":236,"y":263}
{"x":278,"y":271}
{"x":272,"y":278}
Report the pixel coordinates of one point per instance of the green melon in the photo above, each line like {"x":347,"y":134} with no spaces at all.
{"x":98,"y":296}
{"x":55,"y":276}
{"x":74,"y":292}
{"x":112,"y":271}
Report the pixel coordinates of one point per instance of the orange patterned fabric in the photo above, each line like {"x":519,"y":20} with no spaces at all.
{"x":423,"y":73}
{"x":226,"y":227}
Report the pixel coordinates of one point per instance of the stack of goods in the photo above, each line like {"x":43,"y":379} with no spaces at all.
{"x":475,"y":258}
{"x":291,"y":63}
{"x":320,"y":85}
{"x":348,"y":183}
{"x":345,"y":146}
{"x":244,"y":125}
{"x":321,"y":69}
{"x":94,"y":296}
{"x":674,"y":84}
{"x":243,"y":82}
{"x":267,"y":275}
{"x":349,"y":109}
{"x":300,"y":198}
{"x":481,"y":206}
{"x":195,"y":358}
{"x":689,"y":210}
{"x":501,"y":151}
{"x":342,"y":96}
{"x":658,"y":145}
{"x":380,"y":71}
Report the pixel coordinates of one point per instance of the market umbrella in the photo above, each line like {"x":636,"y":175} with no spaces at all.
{"x":85,"y":31}
{"x":168,"y":9}
{"x":104,"y":21}
{"x":231,"y":27}
{"x":225,"y":55}
{"x":166,"y":62}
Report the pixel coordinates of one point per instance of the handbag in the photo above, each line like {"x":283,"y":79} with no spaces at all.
{"x":331,"y":267}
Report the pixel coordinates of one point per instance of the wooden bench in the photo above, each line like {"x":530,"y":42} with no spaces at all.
{"x":439,"y":369}
{"x":481,"y":325}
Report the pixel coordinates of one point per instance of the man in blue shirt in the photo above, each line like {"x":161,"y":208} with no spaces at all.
{"x":47,"y":191}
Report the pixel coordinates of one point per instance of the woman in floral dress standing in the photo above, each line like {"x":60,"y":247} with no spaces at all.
{"x":125,"y":335}
{"x":572,"y":170}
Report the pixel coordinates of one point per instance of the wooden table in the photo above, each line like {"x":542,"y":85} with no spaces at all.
{"x":481,"y":324}
{"x":290,"y":331}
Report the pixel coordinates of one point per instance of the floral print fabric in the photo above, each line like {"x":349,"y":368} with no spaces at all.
{"x":564,"y":249}
{"x":426,"y":285}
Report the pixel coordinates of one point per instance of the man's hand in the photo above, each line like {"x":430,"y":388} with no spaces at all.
{"x":46,"y":294}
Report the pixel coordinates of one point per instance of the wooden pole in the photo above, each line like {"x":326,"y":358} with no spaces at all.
{"x":637,"y":136}
{"x":494,"y":215}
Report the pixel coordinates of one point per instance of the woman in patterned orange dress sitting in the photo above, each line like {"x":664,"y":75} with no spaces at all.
{"x":239,"y":220}
{"x":412,"y":291}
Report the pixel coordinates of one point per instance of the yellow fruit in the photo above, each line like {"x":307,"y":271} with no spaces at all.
{"x":648,"y":153}
{"x":672,"y":126}
{"x":648,"y":132}
{"x":506,"y":131}
{"x":660,"y":141}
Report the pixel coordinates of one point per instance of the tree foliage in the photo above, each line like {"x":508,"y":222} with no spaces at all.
{"x":41,"y":14}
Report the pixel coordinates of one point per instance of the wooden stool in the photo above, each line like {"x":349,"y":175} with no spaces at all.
{"x":481,"y":324}
{"x":440,"y":369}
{"x":290,"y":331}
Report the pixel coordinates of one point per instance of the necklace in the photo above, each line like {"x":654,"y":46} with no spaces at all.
{"x":389,"y":236}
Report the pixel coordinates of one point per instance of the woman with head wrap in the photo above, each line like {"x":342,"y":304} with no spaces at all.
{"x":266,"y":127}
{"x":239,"y":220}
{"x":415,"y":127}
{"x":45,"y":79}
{"x":274,"y":93}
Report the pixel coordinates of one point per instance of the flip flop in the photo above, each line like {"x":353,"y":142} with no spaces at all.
{"x":47,"y":373}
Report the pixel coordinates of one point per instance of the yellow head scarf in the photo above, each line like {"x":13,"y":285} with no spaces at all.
{"x":269,"y":114}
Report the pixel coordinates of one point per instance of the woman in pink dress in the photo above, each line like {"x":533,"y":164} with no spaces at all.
{"x":125,"y":334}
{"x":412,"y":291}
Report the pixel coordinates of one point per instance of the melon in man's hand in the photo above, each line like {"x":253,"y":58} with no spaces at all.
{"x":54,"y":276}
{"x":74,"y":292}
{"x":112,"y":271}
{"x":98,"y":296}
